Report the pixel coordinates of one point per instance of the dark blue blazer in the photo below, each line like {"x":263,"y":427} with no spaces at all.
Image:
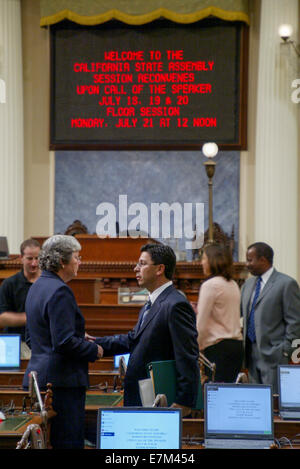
{"x":56,"y":329}
{"x":168,"y":333}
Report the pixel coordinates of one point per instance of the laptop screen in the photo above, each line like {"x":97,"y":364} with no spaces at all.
{"x":289,"y":387}
{"x":10,"y":351}
{"x":117,"y":359}
{"x":238,"y":411}
{"x":139,"y":428}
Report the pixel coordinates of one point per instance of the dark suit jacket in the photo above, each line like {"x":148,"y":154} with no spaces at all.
{"x":56,"y":329}
{"x":168,"y":333}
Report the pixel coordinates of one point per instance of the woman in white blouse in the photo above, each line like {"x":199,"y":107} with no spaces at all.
{"x":218,"y":314}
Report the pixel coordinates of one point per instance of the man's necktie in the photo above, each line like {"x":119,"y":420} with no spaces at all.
{"x":147,"y":307}
{"x":251,"y":325}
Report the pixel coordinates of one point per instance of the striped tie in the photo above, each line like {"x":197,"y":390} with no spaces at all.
{"x":147,"y":307}
{"x":251,"y":325}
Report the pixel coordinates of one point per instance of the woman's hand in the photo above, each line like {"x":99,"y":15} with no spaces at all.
{"x":89,"y":338}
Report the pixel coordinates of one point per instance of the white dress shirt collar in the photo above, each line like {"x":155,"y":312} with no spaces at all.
{"x":155,"y":294}
{"x":265,"y":277}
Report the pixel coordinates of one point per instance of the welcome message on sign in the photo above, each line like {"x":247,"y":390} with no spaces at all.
{"x":160,"y":84}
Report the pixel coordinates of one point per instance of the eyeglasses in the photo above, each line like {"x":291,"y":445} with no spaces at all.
{"x":142,"y":264}
{"x":78,"y":258}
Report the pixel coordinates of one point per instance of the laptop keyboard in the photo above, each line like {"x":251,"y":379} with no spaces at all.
{"x":238,"y":444}
{"x":290,"y":415}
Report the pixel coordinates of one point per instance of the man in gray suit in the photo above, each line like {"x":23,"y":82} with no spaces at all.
{"x":270,"y":306}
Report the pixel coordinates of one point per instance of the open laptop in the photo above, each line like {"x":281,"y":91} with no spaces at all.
{"x":138,"y":428}
{"x":10,"y":352}
{"x":4,"y":252}
{"x":238,"y":416}
{"x":289,"y":391}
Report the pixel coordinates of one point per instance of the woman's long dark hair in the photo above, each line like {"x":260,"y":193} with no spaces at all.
{"x":220,"y":260}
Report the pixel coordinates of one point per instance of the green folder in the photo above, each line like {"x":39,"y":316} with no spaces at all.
{"x":164,"y":379}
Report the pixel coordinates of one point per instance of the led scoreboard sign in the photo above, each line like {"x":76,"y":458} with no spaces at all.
{"x":161,"y":85}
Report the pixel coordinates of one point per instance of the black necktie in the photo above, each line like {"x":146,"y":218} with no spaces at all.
{"x":145,"y":312}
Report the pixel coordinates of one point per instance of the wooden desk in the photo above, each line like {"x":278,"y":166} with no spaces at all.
{"x":104,"y":364}
{"x":101,"y":320}
{"x":107,"y":249}
{"x":93,"y":401}
{"x":108,"y":264}
{"x":12,"y":429}
{"x":96,"y":377}
{"x":96,"y":399}
{"x":86,"y":289}
{"x":13,"y":395}
{"x":194,"y":428}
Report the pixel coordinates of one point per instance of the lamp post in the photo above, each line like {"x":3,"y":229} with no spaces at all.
{"x":210,"y":150}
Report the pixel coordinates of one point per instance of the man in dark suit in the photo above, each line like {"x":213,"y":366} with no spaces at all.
{"x":270,"y":306}
{"x":166,"y":330}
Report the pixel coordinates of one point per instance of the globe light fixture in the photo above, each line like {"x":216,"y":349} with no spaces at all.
{"x":285,"y":31}
{"x":210,"y":150}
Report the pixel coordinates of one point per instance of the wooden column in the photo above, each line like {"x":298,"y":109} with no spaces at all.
{"x":11,"y":125}
{"x":276,"y":211}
